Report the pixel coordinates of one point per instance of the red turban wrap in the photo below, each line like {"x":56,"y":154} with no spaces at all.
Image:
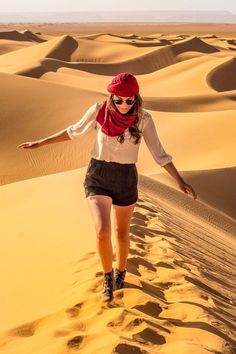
{"x":124,"y":85}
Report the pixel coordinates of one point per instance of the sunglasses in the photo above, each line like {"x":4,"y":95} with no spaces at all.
{"x":129,"y":101}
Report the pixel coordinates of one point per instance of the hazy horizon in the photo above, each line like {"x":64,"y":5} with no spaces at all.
{"x":162,"y":16}
{"x":115,"y":11}
{"x":122,"y":5}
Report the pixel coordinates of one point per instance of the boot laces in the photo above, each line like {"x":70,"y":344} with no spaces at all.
{"x":120,"y":275}
{"x":108,"y":281}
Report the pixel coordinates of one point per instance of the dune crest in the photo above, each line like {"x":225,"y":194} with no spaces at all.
{"x":60,"y":48}
{"x":24,"y":35}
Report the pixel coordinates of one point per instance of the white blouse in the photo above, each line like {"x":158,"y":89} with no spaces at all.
{"x":109,"y":149}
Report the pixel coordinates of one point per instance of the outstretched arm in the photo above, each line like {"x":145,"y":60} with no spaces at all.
{"x":83,"y":126}
{"x":55,"y":138}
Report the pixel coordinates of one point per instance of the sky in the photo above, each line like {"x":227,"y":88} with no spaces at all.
{"x":116,"y":5}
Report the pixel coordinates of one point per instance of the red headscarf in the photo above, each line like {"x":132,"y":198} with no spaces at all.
{"x":114,"y":123}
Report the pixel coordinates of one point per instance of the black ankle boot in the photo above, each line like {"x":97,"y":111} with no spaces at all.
{"x":119,"y":278}
{"x":107,"y":291}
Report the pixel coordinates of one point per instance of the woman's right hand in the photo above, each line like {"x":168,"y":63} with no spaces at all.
{"x":30,"y":144}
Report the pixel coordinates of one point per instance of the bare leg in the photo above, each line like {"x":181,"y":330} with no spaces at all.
{"x":100,"y":208}
{"x":122,"y":218}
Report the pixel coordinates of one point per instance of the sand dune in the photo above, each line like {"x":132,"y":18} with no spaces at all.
{"x":111,"y":37}
{"x":62,"y":48}
{"x":206,"y":70}
{"x":21,"y":36}
{"x":109,"y":51}
{"x":222,"y":79}
{"x":14,"y":40}
{"x":160,"y":83}
{"x":214,"y":187}
{"x":16,"y":62}
{"x":7,"y":46}
{"x":173,"y":295}
{"x":194,"y":103}
{"x":179,"y":295}
{"x":67,"y":104}
{"x":214,"y":218}
{"x":32,"y":110}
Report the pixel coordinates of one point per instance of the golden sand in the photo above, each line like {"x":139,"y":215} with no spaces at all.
{"x":179,"y":295}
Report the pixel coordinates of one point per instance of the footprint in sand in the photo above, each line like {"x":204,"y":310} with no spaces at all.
{"x":75,"y":342}
{"x":133,"y":265}
{"x":25,"y":330}
{"x":61,"y":333}
{"x":136,"y":252}
{"x":74,"y":311}
{"x":149,"y":336}
{"x":124,"y":348}
{"x":151,"y":308}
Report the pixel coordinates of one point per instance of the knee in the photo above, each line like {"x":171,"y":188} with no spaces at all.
{"x":122,"y":235}
{"x":103,"y":233}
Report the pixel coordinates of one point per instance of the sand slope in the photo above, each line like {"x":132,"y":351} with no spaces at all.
{"x":173,"y":296}
{"x":214,"y":187}
{"x":25,"y":58}
{"x":179,"y":294}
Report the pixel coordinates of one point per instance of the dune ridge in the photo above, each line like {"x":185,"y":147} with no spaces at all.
{"x":24,"y":35}
{"x":213,"y":187}
{"x":216,"y":218}
{"x":56,"y":48}
{"x":60,"y":48}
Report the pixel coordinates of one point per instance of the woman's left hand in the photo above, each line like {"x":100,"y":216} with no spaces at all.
{"x":187,"y":189}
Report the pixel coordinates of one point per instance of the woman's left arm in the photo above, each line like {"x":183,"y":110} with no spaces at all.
{"x":186,"y":188}
{"x":162,"y":157}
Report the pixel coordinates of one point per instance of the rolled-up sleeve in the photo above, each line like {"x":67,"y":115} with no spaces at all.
{"x":153,"y":143}
{"x":85,"y":124}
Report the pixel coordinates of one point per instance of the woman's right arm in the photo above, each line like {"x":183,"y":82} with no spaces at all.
{"x":55,"y":138}
{"x":83,"y":126}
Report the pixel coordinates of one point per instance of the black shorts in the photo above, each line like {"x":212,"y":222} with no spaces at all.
{"x":118,"y":181}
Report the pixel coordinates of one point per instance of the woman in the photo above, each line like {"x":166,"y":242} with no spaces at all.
{"x":111,"y":179}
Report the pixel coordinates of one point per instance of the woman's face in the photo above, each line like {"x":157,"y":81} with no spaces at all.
{"x":123,"y":104}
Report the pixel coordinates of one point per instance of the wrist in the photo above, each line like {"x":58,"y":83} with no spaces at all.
{"x":40,"y":142}
{"x":179,"y":179}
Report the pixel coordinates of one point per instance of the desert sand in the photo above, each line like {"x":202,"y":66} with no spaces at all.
{"x":179,"y":296}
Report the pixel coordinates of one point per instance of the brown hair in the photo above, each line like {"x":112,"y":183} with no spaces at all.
{"x":135,"y":109}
